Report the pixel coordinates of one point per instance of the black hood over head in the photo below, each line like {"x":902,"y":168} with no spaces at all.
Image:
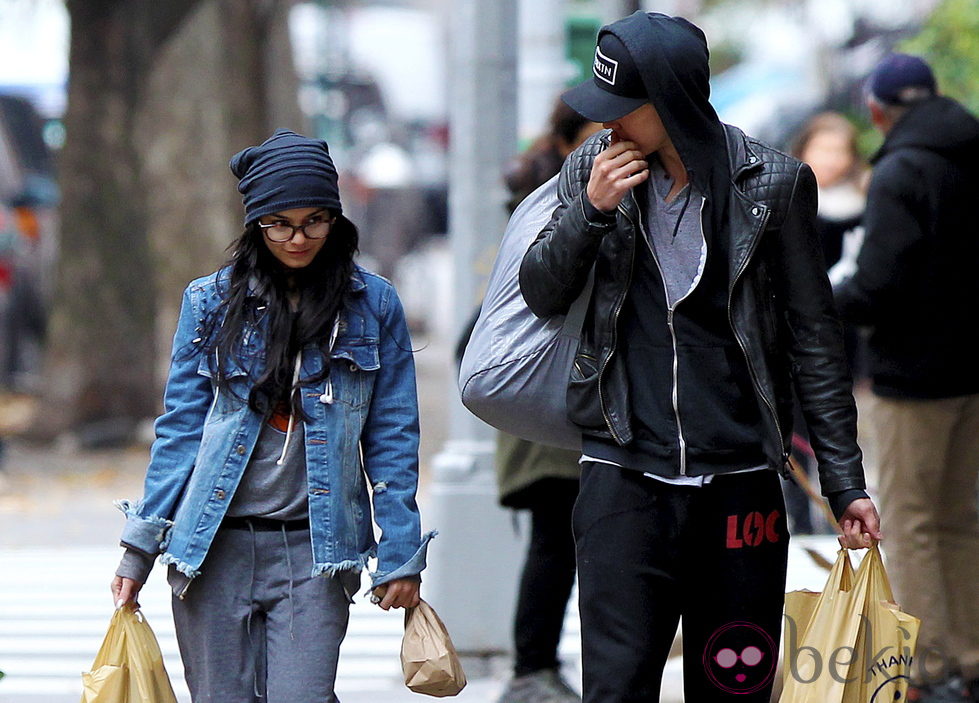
{"x":672,"y":57}
{"x":940,"y":125}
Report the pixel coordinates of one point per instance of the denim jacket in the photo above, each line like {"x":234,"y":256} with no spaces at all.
{"x":363,"y":427}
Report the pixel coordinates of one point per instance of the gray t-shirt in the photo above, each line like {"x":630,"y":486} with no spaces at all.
{"x":682,"y":258}
{"x":271,"y":490}
{"x":267,"y":489}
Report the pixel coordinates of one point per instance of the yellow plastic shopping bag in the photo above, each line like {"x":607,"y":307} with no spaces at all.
{"x":428,"y":657}
{"x":129,"y":665}
{"x":851,"y":643}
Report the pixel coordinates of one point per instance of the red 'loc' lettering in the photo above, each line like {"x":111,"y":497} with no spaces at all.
{"x":755,"y":530}
{"x":733,"y":541}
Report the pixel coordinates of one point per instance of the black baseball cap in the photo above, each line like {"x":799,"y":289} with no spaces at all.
{"x":615,"y":89}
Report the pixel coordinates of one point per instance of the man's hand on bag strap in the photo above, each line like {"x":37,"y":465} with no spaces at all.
{"x":860,"y":525}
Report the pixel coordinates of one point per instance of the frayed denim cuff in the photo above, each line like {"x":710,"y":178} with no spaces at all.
{"x":147,"y":534}
{"x":413,"y":567}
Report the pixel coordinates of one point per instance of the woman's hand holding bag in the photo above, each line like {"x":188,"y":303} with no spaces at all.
{"x":128,"y":667}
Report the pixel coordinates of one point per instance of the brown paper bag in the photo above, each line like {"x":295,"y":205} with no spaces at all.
{"x":428,"y":658}
{"x":128,"y":667}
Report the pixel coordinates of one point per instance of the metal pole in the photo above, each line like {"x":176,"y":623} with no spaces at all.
{"x":471,"y":577}
{"x":544,"y":68}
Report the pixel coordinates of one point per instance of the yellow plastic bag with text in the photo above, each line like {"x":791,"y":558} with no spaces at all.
{"x":851,"y":643}
{"x":428,"y":657}
{"x":128,"y":667}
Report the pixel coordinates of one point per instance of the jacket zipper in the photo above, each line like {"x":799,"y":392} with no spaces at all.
{"x":743,"y":345}
{"x":577,"y":366}
{"x":615,"y":333}
{"x":614,"y":319}
{"x":670,"y":309}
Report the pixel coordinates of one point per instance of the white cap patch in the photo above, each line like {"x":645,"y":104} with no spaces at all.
{"x":605,"y":68}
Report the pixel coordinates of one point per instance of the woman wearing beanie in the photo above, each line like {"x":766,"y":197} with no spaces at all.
{"x":291,"y":419}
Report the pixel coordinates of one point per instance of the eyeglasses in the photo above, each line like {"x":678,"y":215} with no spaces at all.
{"x":316,"y":227}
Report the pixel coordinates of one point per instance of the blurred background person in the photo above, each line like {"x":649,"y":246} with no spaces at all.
{"x":9,"y":241}
{"x":915,"y":285}
{"x":25,"y":325}
{"x":828,"y":143}
{"x":10,"y":253}
{"x":545,"y":155}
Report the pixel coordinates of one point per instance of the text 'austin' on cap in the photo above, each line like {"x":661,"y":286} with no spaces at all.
{"x":616,"y":87}
{"x":900,"y":79}
{"x":286,"y":171}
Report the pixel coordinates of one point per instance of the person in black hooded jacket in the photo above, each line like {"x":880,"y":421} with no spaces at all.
{"x":710,"y":303}
{"x":915,"y":286}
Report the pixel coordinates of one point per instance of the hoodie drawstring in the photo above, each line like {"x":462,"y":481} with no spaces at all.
{"x":683,"y":210}
{"x":292,"y":411}
{"x":292,"y":605}
{"x":251,"y":597}
{"x":251,"y":611}
{"x":327,"y":397}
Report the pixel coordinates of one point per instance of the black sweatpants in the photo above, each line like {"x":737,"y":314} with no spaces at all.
{"x":547,"y":579}
{"x":650,"y":553}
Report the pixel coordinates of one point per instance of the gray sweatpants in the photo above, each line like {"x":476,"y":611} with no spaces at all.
{"x":247,"y":634}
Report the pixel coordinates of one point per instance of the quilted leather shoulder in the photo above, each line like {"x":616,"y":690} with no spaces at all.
{"x":577,"y":168}
{"x":770,"y":180}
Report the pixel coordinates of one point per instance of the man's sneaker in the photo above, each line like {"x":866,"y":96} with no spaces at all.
{"x":544,"y":686}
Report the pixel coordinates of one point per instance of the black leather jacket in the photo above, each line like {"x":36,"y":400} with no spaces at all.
{"x":779,"y":303}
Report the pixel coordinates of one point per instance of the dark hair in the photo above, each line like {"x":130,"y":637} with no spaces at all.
{"x":255,"y":298}
{"x":565,"y":123}
{"x":544,"y":157}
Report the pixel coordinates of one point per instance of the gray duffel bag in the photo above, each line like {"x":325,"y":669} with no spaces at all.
{"x":515,"y":369}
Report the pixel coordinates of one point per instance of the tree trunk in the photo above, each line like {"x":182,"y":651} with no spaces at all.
{"x":102,"y":344}
{"x":247,"y":89}
{"x":156,"y":106}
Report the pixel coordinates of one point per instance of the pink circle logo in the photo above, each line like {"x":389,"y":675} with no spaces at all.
{"x":740,"y":657}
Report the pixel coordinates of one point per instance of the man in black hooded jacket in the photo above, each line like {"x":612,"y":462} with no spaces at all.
{"x":710,"y":303}
{"x":915,"y":286}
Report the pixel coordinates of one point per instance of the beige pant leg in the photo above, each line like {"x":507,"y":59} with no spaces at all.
{"x":913,"y":439}
{"x":958,"y":538}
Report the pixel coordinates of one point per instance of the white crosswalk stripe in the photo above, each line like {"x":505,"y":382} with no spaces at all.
{"x":55,"y":607}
